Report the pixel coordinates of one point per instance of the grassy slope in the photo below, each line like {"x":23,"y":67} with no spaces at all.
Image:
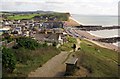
{"x":101,"y":62}
{"x":39,"y":57}
{"x":68,"y":46}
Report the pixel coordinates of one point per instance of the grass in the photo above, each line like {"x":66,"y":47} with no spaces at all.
{"x":100,"y":62}
{"x":60,"y":16}
{"x":68,"y":45}
{"x":19,"y":17}
{"x":39,"y":57}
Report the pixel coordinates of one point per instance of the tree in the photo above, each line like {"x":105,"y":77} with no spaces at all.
{"x":27,"y":43}
{"x":8,"y":60}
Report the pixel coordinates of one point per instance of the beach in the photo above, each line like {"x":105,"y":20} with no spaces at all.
{"x":88,"y":36}
{"x":72,"y":22}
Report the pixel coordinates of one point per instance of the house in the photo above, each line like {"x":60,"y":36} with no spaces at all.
{"x":4,"y":30}
{"x":54,"y":38}
{"x":51,"y":38}
{"x":18,"y":29}
{"x":24,"y":21}
{"x":52,"y":24}
{"x":27,"y":33}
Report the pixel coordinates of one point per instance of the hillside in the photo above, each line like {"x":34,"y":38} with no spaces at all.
{"x":100,"y":62}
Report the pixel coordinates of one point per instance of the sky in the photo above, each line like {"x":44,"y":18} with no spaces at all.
{"x":86,"y":7}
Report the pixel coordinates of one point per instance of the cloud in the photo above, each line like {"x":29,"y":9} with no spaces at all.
{"x":104,"y":7}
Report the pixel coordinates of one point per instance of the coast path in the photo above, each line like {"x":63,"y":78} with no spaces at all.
{"x":52,"y":68}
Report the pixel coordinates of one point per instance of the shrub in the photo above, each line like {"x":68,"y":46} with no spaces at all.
{"x":27,"y":43}
{"x":23,"y":55}
{"x":8,"y":60}
{"x":7,"y":37}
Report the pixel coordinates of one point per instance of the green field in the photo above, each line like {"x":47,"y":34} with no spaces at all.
{"x":100,"y":62}
{"x":59,"y":16}
{"x":19,"y":17}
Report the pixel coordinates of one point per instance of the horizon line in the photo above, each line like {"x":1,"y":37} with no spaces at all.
{"x":58,"y":12}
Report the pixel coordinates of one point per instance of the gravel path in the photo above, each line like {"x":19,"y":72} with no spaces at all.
{"x":52,"y":68}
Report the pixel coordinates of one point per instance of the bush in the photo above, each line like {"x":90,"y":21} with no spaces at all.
{"x":23,"y":55}
{"x":7,"y":37}
{"x":8,"y":60}
{"x":27,"y":43}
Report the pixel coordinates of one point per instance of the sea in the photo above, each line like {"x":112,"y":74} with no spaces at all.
{"x":104,"y":20}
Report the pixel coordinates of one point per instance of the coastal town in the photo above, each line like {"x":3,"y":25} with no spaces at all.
{"x":49,"y":28}
{"x":54,"y":45}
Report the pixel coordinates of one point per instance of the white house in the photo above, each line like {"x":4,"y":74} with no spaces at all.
{"x":18,"y":29}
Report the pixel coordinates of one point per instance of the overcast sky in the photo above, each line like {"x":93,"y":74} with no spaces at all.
{"x":87,"y":7}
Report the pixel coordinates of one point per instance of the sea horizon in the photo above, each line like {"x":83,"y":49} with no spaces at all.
{"x":104,"y":20}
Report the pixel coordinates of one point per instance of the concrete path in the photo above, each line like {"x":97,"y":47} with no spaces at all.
{"x":52,"y":68}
